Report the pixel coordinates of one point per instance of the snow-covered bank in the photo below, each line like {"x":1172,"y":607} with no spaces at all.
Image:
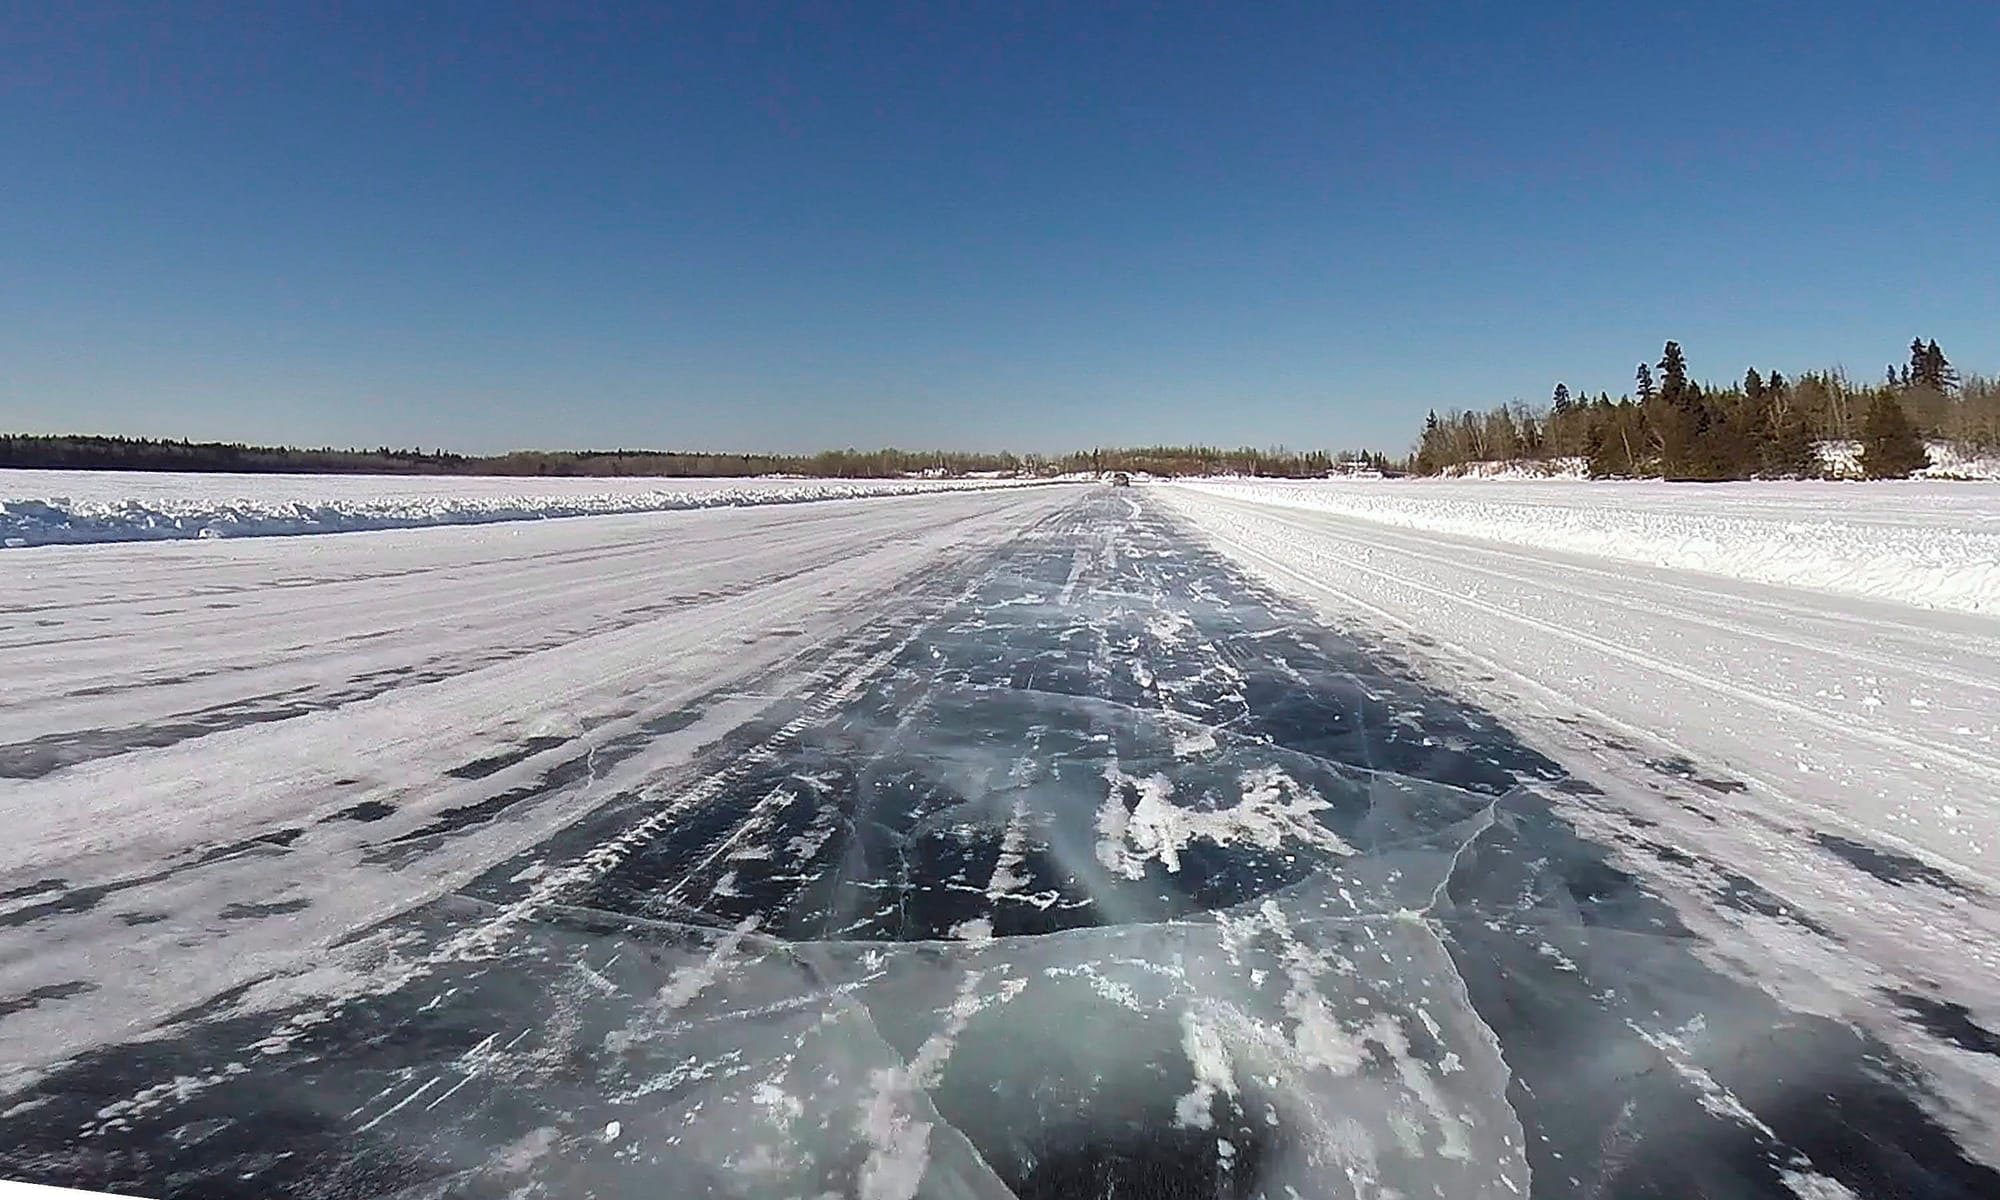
{"x":1568,"y":467}
{"x":1837,"y":459}
{"x":1842,"y":460}
{"x":68,"y":507}
{"x":1936,"y":545}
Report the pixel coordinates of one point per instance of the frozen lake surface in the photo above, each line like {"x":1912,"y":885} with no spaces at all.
{"x":1033,"y":842}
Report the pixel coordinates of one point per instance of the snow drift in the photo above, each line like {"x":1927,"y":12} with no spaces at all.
{"x":68,"y":507}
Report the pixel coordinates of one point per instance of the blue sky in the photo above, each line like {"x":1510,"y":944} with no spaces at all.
{"x":1044,"y":226}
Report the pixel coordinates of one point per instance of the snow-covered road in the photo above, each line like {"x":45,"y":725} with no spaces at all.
{"x":1928,"y":543}
{"x":161,"y":705}
{"x":1024,"y":843}
{"x":1841,"y":753}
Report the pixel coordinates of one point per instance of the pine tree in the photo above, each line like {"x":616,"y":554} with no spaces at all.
{"x":1430,"y":447}
{"x":1918,"y":361}
{"x":1788,"y":444}
{"x":1609,"y":443}
{"x":1673,"y":374}
{"x":1890,"y":447}
{"x":1600,"y":451}
{"x":1560,"y":404}
{"x":1753,"y":384}
{"x":1676,"y":421}
{"x":1938,"y":373}
{"x":1645,"y":382}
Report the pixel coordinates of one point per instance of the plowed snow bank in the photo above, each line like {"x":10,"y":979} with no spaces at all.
{"x":67,"y":507}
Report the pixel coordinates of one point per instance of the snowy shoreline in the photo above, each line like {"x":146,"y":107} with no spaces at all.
{"x":52,"y":508}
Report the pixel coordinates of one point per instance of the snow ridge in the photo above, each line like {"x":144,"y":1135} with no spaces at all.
{"x":137,"y":506}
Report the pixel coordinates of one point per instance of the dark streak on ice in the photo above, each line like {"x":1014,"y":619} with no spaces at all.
{"x":366,"y":811}
{"x":480,"y":768}
{"x":276,"y":841}
{"x":52,"y":991}
{"x":1682,"y":768}
{"x":1890,"y":867}
{"x":1952,"y":1022}
{"x":583,"y":766}
{"x":66,"y":900}
{"x":33,"y":889}
{"x":277,"y":908}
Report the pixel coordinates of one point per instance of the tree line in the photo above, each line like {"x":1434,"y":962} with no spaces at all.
{"x":1275,"y":463}
{"x":1669,"y":426}
{"x":73,"y":452}
{"x":154,"y":454}
{"x":1767,"y":425}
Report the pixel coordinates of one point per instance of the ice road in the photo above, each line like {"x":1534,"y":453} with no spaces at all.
{"x":1040,"y":842}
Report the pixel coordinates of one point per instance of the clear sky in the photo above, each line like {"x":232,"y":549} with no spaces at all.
{"x":984,"y":225}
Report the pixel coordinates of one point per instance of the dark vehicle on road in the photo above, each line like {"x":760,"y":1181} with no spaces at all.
{"x":1120,"y":479}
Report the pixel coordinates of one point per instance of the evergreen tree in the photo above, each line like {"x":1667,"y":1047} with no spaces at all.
{"x":1787,"y":447}
{"x":1600,"y":452}
{"x":1938,"y":374}
{"x":1890,"y":447}
{"x":1737,"y":439}
{"x":1430,"y":447}
{"x":1674,"y":420}
{"x":1681,"y":429}
{"x":1610,"y":444}
{"x":1673,"y":374}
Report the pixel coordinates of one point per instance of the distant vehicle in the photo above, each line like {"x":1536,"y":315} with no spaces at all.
{"x":1120,"y":479}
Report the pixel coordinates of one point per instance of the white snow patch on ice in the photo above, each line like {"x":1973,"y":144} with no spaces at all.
{"x":1272,"y":810}
{"x":898,"y":1137}
{"x":1213,"y":1074}
{"x":1192,"y":740}
{"x":1811,"y":1185}
{"x":978,"y":929}
{"x":690,"y":981}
